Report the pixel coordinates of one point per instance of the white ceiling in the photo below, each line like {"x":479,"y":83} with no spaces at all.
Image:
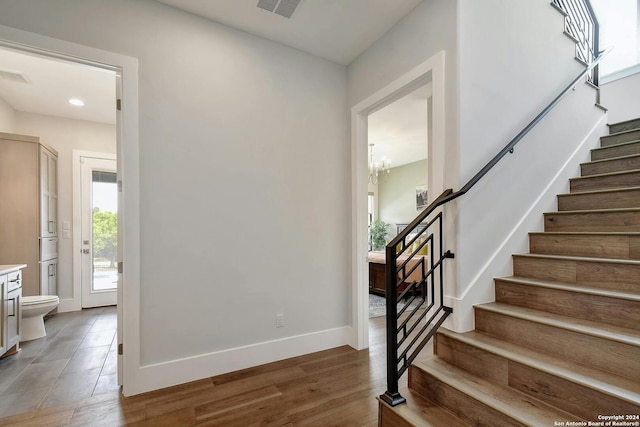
{"x":338,"y":30}
{"x":399,"y":130}
{"x":52,"y":83}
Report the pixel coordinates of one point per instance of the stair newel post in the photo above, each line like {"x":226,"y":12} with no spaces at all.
{"x":392,"y":395}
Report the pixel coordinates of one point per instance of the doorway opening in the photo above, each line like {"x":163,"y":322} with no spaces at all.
{"x":430,"y":72}
{"x":397,"y":136}
{"x":125,"y":69}
{"x":52,"y":125}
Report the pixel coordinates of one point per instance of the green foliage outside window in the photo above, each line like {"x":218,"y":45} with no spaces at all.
{"x":105,"y":235}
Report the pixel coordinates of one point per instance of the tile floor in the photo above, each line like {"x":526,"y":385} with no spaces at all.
{"x":77,"y":359}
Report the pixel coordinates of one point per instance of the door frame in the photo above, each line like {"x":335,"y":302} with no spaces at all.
{"x":133,"y":378}
{"x":78,"y":156}
{"x":431,"y":70}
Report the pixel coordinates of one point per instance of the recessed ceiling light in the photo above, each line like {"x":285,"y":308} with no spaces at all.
{"x":77,"y":102}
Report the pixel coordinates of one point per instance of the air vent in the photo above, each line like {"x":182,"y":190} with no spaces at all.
{"x":281,"y":7}
{"x":13,"y":76}
{"x":269,"y":5}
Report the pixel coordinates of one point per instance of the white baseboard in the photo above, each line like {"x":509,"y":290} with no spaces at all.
{"x":69,"y":304}
{"x":166,"y":374}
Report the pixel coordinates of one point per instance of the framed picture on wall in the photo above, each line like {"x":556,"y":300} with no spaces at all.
{"x":421,"y":197}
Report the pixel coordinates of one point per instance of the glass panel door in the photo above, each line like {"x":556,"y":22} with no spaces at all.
{"x":99,"y":232}
{"x":104,"y":210}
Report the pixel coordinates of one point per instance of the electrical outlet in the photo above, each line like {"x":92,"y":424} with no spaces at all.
{"x":280,"y":320}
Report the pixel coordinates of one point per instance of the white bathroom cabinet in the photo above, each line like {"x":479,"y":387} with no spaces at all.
{"x":3,"y":313}
{"x":49,"y":277}
{"x":28,"y":211}
{"x":48,"y":192}
{"x":10,"y":308}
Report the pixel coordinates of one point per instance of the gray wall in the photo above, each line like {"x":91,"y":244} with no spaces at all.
{"x":619,"y":96}
{"x":7,"y":117}
{"x":244,"y":185}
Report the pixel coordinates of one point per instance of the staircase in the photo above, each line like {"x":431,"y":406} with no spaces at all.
{"x":561,"y":342}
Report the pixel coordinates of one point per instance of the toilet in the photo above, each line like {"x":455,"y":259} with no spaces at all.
{"x":34,"y":309}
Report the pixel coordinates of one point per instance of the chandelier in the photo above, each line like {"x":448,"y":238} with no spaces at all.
{"x":377,"y":168}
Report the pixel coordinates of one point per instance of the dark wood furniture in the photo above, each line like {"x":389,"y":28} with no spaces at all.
{"x":377,"y":276}
{"x":377,"y":268}
{"x":377,"y":279}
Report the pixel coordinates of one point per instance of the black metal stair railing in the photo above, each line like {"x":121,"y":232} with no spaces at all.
{"x":413,"y":277}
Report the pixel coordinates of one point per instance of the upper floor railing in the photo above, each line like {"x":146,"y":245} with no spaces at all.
{"x":581,"y":24}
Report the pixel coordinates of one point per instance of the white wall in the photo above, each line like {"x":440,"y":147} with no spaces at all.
{"x":513,"y":60}
{"x":243,"y":182}
{"x":397,"y":193}
{"x":66,"y":135}
{"x":7,"y":117}
{"x":619,"y":96}
{"x":427,"y":30}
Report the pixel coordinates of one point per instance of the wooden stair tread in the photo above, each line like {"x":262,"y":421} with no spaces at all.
{"x":610,"y":159}
{"x":581,"y":326}
{"x":608,"y":190}
{"x":514,"y":404}
{"x":580,"y":258}
{"x":587,"y":233}
{"x":593,"y":211}
{"x":616,"y":145}
{"x":599,"y":175}
{"x":623,"y":132}
{"x":572,"y":288}
{"x":421,"y":412}
{"x":621,"y":123}
{"x":613,"y":385}
{"x":604,"y":175}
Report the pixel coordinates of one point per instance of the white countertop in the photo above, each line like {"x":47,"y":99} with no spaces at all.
{"x":4,"y":269}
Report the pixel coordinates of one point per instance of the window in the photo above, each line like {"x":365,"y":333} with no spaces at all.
{"x":619,"y":28}
{"x":370,"y":218}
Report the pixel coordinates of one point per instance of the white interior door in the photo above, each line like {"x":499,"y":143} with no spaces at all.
{"x":99,"y":232}
{"x":120,"y":308}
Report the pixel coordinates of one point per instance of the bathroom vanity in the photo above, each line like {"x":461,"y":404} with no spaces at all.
{"x":10,"y":315}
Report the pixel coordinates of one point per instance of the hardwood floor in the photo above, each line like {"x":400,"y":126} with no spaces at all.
{"x":335,"y":387}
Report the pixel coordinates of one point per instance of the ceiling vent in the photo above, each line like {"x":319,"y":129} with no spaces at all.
{"x":13,"y":77}
{"x":281,"y":7}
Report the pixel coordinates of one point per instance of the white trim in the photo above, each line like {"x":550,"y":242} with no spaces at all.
{"x":68,"y":304}
{"x":430,"y":70}
{"x":129,"y":173}
{"x":620,"y":74}
{"x":207,"y":365}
